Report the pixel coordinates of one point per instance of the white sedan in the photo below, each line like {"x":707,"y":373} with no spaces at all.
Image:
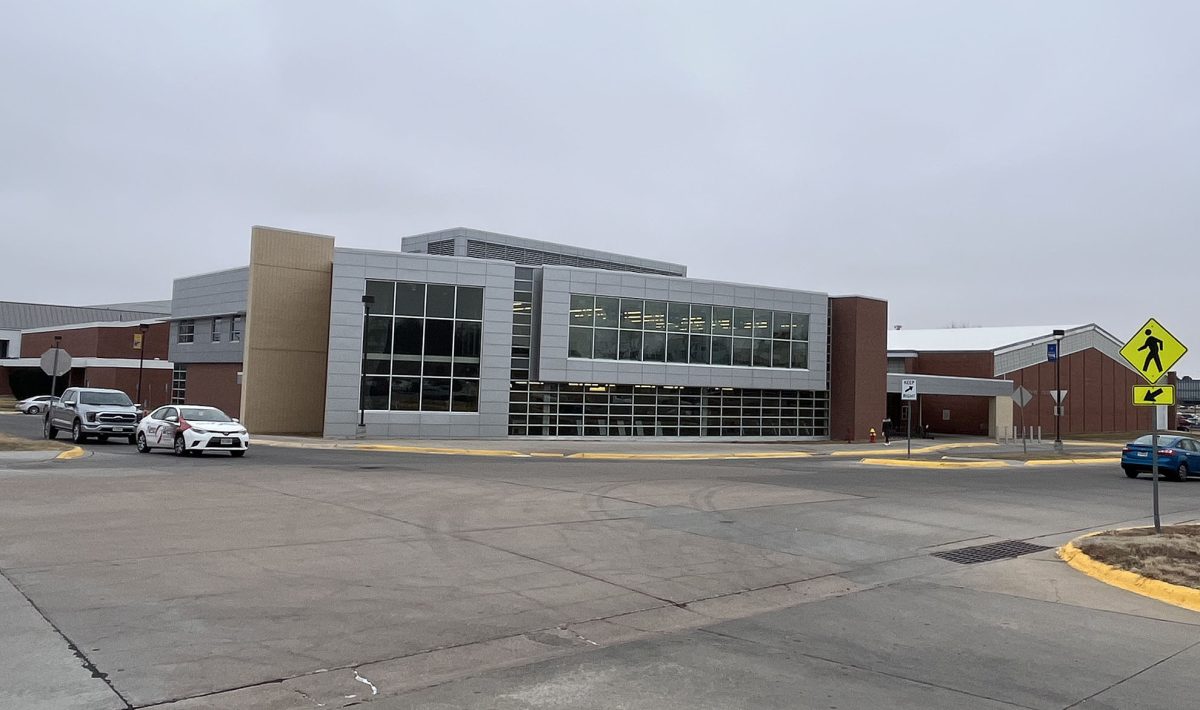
{"x":188,"y":429}
{"x":35,"y":405}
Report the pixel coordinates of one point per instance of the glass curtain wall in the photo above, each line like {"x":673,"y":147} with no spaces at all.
{"x":562,"y":409}
{"x":421,"y":347}
{"x":610,"y":328}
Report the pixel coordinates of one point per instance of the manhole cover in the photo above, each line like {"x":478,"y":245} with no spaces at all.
{"x":992,"y":551}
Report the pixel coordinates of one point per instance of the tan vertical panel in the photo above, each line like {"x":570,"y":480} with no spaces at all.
{"x":287,"y":332}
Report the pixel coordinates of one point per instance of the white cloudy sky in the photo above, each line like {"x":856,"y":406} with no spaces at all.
{"x":990,"y":163}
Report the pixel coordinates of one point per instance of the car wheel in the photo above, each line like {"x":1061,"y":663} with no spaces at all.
{"x":50,"y":430}
{"x":142,"y":445}
{"x":102,"y":437}
{"x":1181,"y":473}
{"x":237,"y":454}
{"x":77,"y":435}
{"x":1131,"y":472}
{"x":132,"y":439}
{"x":180,"y":446}
{"x":33,"y":410}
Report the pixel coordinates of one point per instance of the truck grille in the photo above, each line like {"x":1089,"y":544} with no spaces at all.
{"x":116,"y":418}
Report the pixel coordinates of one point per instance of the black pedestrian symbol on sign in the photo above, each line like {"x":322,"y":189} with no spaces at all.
{"x":1152,"y":346}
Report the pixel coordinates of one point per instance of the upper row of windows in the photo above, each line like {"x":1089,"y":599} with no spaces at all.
{"x":403,"y":298}
{"x":695,"y":318}
{"x":219,"y":329}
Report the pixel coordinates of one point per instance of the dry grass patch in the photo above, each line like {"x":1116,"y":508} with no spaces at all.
{"x":1173,"y":556}
{"x":16,"y":443}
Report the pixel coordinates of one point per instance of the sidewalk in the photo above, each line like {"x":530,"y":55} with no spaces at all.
{"x":687,"y":450}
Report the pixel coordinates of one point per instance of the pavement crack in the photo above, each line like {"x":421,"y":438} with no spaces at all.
{"x":1157,"y":663}
{"x":86,"y":662}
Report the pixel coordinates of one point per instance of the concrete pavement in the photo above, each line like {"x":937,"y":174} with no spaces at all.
{"x":298,"y":578}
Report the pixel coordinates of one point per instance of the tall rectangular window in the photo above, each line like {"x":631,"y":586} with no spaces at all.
{"x":216,"y":330}
{"x":235,"y":329}
{"x":422,"y":346}
{"x":179,"y":384}
{"x":187,"y":331}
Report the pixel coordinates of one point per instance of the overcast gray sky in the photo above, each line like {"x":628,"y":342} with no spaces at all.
{"x":990,"y":163}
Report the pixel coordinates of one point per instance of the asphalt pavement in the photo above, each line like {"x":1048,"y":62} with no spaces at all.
{"x":296,"y":578}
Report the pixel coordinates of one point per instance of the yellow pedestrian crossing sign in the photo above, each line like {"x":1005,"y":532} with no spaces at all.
{"x":1154,"y":395}
{"x":1153,"y":351}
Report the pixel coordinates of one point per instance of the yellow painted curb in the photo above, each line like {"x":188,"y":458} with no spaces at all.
{"x":906,"y":463}
{"x":1173,"y":594}
{"x":882,"y":451}
{"x":619,"y":456}
{"x":72,"y":453}
{"x":431,"y":450}
{"x":1060,"y":462}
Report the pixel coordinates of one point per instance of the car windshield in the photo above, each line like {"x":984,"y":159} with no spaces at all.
{"x":119,"y":399}
{"x":196,"y":414}
{"x":1148,"y":440}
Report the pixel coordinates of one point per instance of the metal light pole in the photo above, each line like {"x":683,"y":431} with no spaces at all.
{"x":54,"y":379}
{"x":142,"y":328}
{"x":1058,"y":409}
{"x":367,"y":301}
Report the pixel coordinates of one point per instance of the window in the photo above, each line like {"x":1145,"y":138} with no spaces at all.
{"x":564,"y":409}
{"x":187,"y":331}
{"x":179,"y":384}
{"x":216,"y":330}
{"x":422,"y":345}
{"x":235,"y":329}
{"x":609,"y":328}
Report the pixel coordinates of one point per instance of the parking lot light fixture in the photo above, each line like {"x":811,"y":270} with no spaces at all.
{"x":1058,"y":404}
{"x":367,"y":301}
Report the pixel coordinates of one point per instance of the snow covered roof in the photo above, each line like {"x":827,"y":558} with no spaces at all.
{"x":972,"y":339}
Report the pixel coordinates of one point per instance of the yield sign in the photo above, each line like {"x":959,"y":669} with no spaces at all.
{"x":1021,"y":396}
{"x":1153,"y":351}
{"x":1058,"y":395}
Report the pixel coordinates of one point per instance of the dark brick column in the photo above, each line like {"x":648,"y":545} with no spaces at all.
{"x":857,"y":366}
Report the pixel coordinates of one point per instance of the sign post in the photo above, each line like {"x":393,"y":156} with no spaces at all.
{"x":1022,"y":397}
{"x":55,"y":362}
{"x":1162,"y":350}
{"x":908,"y":393}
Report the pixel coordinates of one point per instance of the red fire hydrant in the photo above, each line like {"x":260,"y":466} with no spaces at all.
{"x":872,"y":435}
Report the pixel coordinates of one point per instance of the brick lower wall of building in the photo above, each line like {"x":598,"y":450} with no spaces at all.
{"x":156,"y":384}
{"x":214,"y":385}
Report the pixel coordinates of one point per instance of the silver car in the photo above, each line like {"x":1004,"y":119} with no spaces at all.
{"x":35,"y":405}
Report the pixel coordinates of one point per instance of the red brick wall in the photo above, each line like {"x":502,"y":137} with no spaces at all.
{"x":857,"y":366}
{"x":1099,"y":396}
{"x":215,"y":385}
{"x":156,"y":384}
{"x":968,"y":415}
{"x":100,"y":341}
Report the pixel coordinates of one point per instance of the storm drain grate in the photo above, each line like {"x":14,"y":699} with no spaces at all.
{"x":992,"y":551}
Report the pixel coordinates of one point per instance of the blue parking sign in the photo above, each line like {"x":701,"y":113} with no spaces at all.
{"x":1051,"y":352}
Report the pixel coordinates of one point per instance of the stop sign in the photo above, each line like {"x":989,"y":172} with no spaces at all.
{"x":56,"y":362}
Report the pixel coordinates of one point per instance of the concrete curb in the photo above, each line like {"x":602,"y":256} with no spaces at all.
{"x":1166,"y":592}
{"x":72,"y":453}
{"x":591,"y":455}
{"x":996,"y":463}
{"x":916,"y":450}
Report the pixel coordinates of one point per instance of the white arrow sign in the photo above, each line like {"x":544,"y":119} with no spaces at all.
{"x":1058,"y":395}
{"x":908,"y":389}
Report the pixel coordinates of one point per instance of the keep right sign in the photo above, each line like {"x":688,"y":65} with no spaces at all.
{"x":1153,"y":351}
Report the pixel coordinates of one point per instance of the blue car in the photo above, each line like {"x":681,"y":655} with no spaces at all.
{"x":1178,"y":456}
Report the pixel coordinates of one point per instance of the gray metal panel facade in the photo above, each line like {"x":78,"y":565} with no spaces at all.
{"x":420,"y":244}
{"x":200,"y":298}
{"x":351,"y":270}
{"x":559,"y":282}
